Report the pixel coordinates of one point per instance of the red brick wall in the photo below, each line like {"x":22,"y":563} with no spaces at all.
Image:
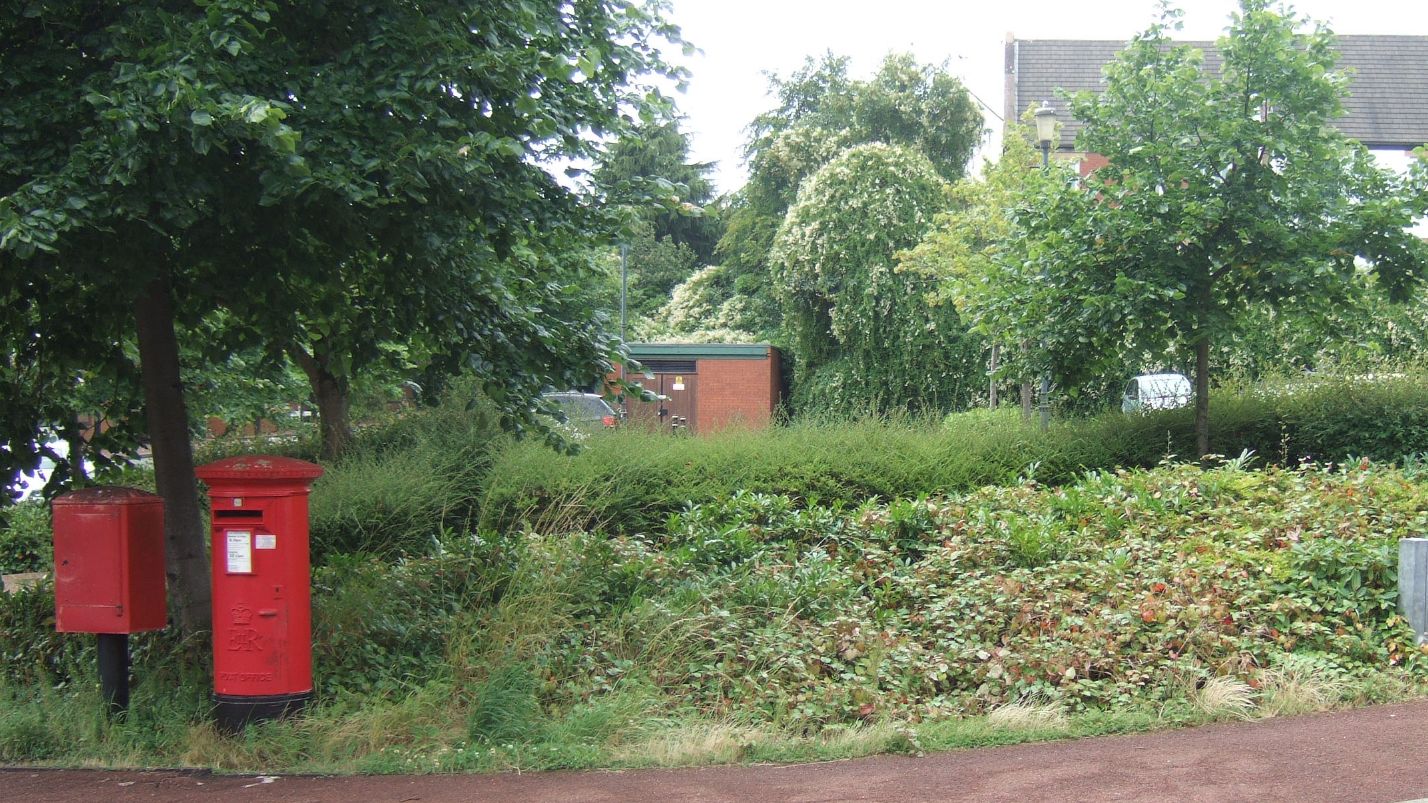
{"x":1091,"y":162}
{"x":737,"y":393}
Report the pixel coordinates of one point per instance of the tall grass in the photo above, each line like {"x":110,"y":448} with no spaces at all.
{"x":405,"y":482}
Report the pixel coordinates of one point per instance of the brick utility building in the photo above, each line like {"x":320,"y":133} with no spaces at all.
{"x":706,"y":387}
{"x":1386,"y":110}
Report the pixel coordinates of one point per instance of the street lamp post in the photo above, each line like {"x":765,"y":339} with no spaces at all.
{"x":624,"y":284}
{"x":1045,"y":132}
{"x":624,"y":290}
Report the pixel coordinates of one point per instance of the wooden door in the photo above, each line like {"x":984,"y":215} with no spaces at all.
{"x":675,"y":409}
{"x":680,"y":391}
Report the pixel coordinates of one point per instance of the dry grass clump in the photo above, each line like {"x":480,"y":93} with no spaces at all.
{"x":1289,"y":690}
{"x":691,"y":744}
{"x":1224,"y":697}
{"x":1029,"y":715}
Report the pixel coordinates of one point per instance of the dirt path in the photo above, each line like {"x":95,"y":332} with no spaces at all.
{"x":1372,"y":754}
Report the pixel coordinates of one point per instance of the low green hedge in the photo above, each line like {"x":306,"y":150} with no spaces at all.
{"x":632,"y":481}
{"x":404,"y":483}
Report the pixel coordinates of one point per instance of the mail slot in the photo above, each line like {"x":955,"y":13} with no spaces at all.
{"x":262,"y":609}
{"x":109,"y":561}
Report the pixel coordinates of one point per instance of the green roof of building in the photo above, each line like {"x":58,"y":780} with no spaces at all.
{"x":700,"y":351}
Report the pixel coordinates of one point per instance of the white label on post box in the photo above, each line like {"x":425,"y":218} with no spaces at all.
{"x":240,"y":551}
{"x":265,"y":541}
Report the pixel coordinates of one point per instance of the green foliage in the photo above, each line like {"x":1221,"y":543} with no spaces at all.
{"x":715,"y":305}
{"x":505,"y":706}
{"x":847,"y":463}
{"x":26,"y":539}
{"x":1368,"y":332}
{"x":825,"y":630}
{"x":965,"y":245}
{"x":406,"y":482}
{"x":25,"y":733}
{"x":868,"y":337}
{"x":1229,"y":192}
{"x":1141,"y":583}
{"x":381,"y":627}
{"x":384,"y":188}
{"x":649,"y":167}
{"x":654,"y":267}
{"x":820,"y":113}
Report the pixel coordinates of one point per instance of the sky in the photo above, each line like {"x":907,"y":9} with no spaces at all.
{"x":741,"y":40}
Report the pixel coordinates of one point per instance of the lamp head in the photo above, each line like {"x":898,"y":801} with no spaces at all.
{"x":1045,"y":125}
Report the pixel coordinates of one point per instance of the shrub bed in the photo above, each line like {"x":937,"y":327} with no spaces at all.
{"x":631,"y":482}
{"x":1118,"y":590}
{"x":1120,"y":600}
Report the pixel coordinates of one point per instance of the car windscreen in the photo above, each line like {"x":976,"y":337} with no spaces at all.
{"x":584,"y":408}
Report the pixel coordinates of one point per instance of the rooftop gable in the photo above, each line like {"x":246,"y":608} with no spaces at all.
{"x":1387,"y":105}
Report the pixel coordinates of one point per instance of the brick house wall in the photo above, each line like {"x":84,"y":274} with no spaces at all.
{"x":737,"y":392}
{"x":738,"y":385}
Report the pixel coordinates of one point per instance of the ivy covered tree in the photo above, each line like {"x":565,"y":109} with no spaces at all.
{"x":867,"y":336}
{"x":333,"y":175}
{"x":1228,"y":190}
{"x":711,"y":307}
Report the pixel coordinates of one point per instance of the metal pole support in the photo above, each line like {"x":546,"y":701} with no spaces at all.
{"x":114,"y":671}
{"x":1413,"y":584}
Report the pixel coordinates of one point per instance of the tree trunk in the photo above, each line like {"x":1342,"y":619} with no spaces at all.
{"x":334,"y":397}
{"x":1202,"y":396}
{"x":185,"y":560}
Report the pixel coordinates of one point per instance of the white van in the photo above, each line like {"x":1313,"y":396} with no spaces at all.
{"x":1156,"y":392}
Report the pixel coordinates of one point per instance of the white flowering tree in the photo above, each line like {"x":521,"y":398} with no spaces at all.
{"x":867,"y":335}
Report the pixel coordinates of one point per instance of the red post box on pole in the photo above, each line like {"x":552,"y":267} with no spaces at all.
{"x":262,"y":596}
{"x":109,"y":574}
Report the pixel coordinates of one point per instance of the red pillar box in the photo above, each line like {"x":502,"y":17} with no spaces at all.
{"x":262,"y":596}
{"x":109,"y":561}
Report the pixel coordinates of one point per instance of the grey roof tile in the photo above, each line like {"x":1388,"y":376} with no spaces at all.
{"x":1388,"y":87}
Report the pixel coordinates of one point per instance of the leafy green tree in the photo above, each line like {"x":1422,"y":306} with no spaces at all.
{"x":336,"y":176}
{"x":966,"y":244}
{"x":822,"y":112}
{"x":866,"y":335}
{"x":1226,"y":190}
{"x":654,"y":267}
{"x":653,"y":159}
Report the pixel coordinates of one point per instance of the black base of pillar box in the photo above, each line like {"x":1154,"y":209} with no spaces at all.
{"x":232,"y":712}
{"x":113,"y":649}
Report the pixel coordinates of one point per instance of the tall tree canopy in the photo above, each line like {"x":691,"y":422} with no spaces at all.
{"x":333,"y":175}
{"x":967,"y":243}
{"x":1227,"y":190}
{"x":867,"y":336}
{"x":652,"y":159}
{"x":822,"y":112}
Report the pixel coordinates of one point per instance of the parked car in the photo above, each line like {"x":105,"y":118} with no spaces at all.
{"x":585,"y":410}
{"x":1156,"y":392}
{"x":30,"y":484}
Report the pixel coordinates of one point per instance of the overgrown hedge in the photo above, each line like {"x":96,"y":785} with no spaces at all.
{"x":405,"y":483}
{"x":632,"y":482}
